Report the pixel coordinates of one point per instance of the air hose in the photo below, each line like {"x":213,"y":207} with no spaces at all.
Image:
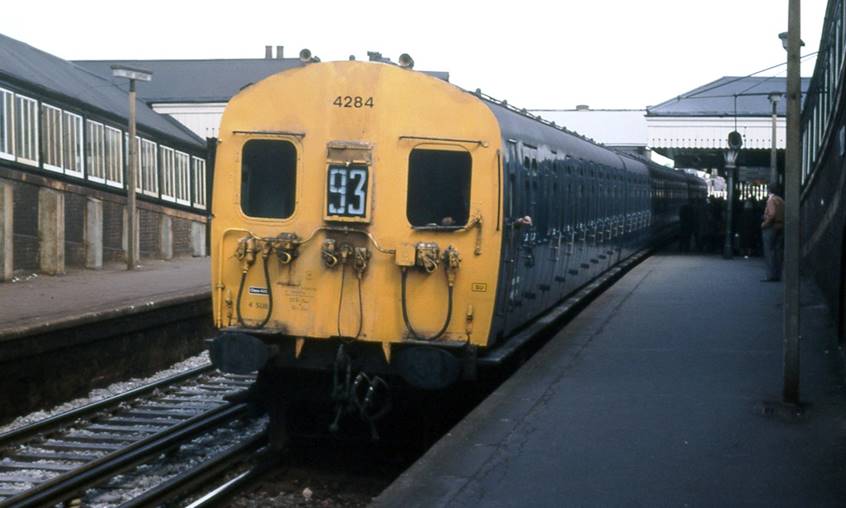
{"x":405,"y":308}
{"x":264,"y":257}
{"x":341,"y":304}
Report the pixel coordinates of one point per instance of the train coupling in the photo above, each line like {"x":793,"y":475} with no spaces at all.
{"x":366,"y":395}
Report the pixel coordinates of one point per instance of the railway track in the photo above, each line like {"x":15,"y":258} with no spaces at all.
{"x":134,"y":449}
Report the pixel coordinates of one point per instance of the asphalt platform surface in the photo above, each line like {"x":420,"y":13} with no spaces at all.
{"x":35,"y":300}
{"x":663,"y":392}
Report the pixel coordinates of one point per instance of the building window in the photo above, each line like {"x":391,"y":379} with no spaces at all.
{"x":168,"y":174}
{"x":26,"y":130}
{"x":199,"y":182}
{"x":51,"y":137}
{"x":268,"y":178}
{"x":7,"y":110}
{"x":438,"y":188}
{"x":72,"y":144}
{"x":183,"y":178}
{"x":149,"y":168}
{"x":96,"y":149}
{"x":114,"y":157}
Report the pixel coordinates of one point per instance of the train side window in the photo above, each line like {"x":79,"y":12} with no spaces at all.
{"x":268,"y":178}
{"x":438,"y":188}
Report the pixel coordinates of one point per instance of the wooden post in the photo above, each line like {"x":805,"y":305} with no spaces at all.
{"x":792,"y":169}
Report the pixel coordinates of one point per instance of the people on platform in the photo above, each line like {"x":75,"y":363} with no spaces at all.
{"x":772,"y":233}
{"x":687,"y":227}
{"x":749,"y":227}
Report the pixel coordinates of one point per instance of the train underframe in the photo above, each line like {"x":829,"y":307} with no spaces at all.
{"x":337,"y":385}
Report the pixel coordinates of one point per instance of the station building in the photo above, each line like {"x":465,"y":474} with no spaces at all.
{"x":63,"y":167}
{"x":691,"y":129}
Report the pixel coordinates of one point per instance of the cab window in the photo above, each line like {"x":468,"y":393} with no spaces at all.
{"x":438,"y":188}
{"x":268,"y":178}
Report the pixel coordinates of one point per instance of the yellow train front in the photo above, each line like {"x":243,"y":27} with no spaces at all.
{"x":356,"y":224}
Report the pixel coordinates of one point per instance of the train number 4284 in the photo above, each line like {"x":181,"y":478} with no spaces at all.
{"x":357,"y":101}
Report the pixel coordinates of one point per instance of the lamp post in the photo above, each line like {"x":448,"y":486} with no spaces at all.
{"x":774,"y":97}
{"x":133,"y":75}
{"x":735,"y":141}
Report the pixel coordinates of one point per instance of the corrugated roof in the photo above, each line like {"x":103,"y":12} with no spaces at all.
{"x":52,"y":76}
{"x":196,"y":80}
{"x":181,"y":81}
{"x":718,"y":98}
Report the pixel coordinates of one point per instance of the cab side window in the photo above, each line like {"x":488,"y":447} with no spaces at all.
{"x":438,"y":188}
{"x":268,"y":178}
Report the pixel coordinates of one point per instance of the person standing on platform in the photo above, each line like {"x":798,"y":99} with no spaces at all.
{"x":772,"y":233}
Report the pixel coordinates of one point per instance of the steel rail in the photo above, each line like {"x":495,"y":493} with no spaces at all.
{"x":38,"y":427}
{"x":193,"y":478}
{"x":67,"y":485}
{"x":216,"y":496}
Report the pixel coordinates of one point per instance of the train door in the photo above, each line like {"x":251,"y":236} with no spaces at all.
{"x":581,"y":259}
{"x":569,"y":222}
{"x":560,"y":202}
{"x":533,"y":251}
{"x":548,"y":227}
{"x":512,"y":231}
{"x":592,"y":219}
{"x":616,"y":206}
{"x":628,"y":209}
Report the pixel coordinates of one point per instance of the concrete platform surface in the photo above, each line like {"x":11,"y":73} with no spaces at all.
{"x":654,"y":396}
{"x":36,"y":302}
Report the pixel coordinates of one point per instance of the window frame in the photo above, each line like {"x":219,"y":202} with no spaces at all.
{"x":52,"y":138}
{"x":182,"y":172}
{"x":73,"y":145}
{"x":95,"y":151}
{"x":298,"y":148}
{"x":7,"y":141}
{"x":113,"y":142}
{"x":30,"y":142}
{"x":198,"y":173}
{"x":168,"y":170}
{"x":443,"y":147}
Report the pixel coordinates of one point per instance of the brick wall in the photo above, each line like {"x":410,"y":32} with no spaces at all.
{"x":182,"y":237}
{"x":113,"y":232}
{"x":25,"y":190}
{"x":25,"y":227}
{"x":75,"y":229}
{"x":149,"y":232}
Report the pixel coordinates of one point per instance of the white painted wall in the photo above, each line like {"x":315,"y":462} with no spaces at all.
{"x":712,"y":132}
{"x":202,"y":118}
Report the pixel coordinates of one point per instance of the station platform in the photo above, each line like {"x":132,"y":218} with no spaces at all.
{"x":659,"y":393}
{"x":62,"y":336}
{"x":36,"y":302}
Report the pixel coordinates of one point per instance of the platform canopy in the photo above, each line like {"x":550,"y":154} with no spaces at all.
{"x":692,"y":129}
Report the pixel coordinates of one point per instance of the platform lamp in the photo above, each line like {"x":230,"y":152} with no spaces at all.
{"x":133,"y":75}
{"x":735,"y":142}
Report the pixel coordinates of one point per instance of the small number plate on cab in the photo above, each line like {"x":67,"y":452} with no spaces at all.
{"x":346,"y":192}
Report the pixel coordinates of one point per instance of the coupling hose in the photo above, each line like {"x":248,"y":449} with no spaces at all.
{"x":405,"y":309}
{"x":269,"y":297}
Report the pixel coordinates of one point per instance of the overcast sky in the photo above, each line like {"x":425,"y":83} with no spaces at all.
{"x":535,"y":54}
